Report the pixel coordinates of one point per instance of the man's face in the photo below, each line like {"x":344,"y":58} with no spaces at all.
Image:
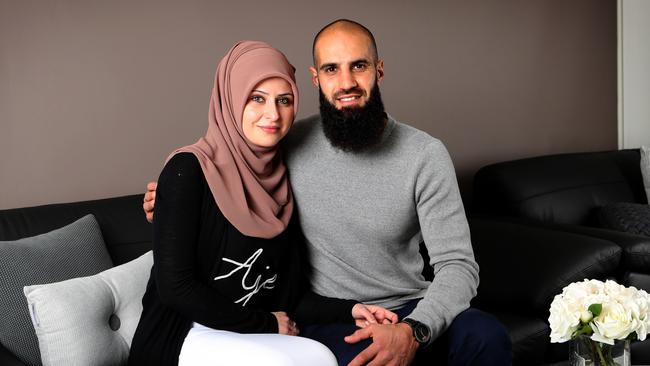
{"x":346,"y":69}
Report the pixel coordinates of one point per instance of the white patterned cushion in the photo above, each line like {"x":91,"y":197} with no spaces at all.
{"x":90,"y":320}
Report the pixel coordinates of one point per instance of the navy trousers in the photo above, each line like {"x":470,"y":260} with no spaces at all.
{"x":473,"y":338}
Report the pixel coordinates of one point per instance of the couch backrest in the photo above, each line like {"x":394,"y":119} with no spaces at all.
{"x":565,"y":188}
{"x":125,"y":230}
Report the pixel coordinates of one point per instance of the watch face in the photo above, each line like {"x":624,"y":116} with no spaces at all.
{"x":422,"y":333}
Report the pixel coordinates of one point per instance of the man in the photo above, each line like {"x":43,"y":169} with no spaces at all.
{"x":368,"y":191}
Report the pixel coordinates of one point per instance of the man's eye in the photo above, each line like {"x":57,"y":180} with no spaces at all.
{"x":360,"y":67}
{"x":330,"y":69}
{"x":257,"y":99}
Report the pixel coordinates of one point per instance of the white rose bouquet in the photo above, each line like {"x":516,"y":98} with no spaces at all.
{"x":604,"y":312}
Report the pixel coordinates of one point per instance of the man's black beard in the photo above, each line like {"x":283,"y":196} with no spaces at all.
{"x":354,"y":129}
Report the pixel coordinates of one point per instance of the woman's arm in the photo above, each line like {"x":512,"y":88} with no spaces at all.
{"x":176,"y":226}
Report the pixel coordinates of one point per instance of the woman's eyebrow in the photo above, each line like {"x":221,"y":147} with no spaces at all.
{"x":280,"y":95}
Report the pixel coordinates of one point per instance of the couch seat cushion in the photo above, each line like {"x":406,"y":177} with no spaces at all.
{"x":530,"y":337}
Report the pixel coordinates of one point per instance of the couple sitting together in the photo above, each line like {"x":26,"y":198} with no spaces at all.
{"x":306,"y":251}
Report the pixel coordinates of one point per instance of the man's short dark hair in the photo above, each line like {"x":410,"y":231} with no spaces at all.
{"x":353,"y":24}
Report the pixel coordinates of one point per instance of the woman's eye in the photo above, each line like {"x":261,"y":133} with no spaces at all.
{"x":284,"y":101}
{"x":257,"y":99}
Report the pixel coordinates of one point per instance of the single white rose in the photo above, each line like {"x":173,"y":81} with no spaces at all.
{"x":581,"y":290}
{"x":642,"y":300}
{"x":563,"y":320}
{"x":613,"y":289}
{"x":614,"y":322}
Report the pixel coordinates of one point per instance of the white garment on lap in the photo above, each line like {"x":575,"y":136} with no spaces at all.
{"x":207,"y":346}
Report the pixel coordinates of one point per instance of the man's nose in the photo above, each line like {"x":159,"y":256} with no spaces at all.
{"x":347,"y":80}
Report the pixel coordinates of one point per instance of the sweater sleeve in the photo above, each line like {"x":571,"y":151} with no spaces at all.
{"x":176,"y":225}
{"x":446,"y":236}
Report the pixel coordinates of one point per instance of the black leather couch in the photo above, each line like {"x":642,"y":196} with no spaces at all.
{"x":562,"y":195}
{"x":520,"y":268}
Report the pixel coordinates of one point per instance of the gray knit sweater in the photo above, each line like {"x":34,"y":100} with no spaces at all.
{"x":364,"y":215}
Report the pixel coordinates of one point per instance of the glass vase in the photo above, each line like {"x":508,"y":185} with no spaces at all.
{"x":586,"y":352}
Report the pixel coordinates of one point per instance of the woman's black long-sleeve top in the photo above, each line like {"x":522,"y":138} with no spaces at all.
{"x":206,"y":271}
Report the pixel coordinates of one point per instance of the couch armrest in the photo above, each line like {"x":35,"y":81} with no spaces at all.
{"x":8,"y":359}
{"x":522,"y":267}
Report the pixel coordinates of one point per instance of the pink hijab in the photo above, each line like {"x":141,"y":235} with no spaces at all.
{"x":249,"y":183}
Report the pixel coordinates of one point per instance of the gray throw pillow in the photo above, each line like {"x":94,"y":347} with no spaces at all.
{"x":74,"y":250}
{"x":633,"y":218}
{"x":90,"y":320}
{"x":645,"y":169}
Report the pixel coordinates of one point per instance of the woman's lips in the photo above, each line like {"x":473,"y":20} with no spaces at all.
{"x":270,"y":129}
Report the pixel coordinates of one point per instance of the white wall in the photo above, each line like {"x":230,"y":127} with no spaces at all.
{"x":634,"y":73}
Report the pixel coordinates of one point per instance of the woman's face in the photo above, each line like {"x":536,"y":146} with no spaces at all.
{"x":269,"y":112}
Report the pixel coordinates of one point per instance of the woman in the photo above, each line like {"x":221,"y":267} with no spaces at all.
{"x":228,"y":269}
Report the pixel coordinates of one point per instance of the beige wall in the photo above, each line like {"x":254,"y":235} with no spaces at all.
{"x":95,"y":94}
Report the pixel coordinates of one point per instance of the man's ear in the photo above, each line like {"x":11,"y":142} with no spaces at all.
{"x":380,"y":71}
{"x":314,"y":76}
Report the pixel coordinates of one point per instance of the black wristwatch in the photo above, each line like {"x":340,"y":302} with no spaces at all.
{"x":421,"y":332}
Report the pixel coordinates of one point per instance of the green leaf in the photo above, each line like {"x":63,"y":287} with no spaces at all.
{"x":595,"y":309}
{"x":585,"y":329}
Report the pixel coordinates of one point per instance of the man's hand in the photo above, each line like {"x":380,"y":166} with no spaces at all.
{"x":392,"y":345}
{"x":285,"y":324}
{"x":150,"y":200}
{"x":365,"y":315}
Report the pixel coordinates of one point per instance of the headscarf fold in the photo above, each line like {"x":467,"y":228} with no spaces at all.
{"x":249,"y":182}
